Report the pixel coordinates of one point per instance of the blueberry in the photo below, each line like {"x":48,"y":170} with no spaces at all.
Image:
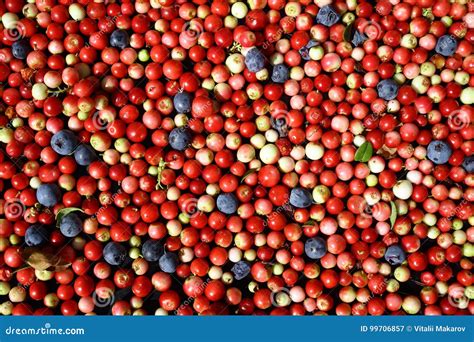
{"x":280,"y":125}
{"x":300,"y":198}
{"x":446,"y":45}
{"x":280,"y":73}
{"x":304,"y":51}
{"x":168,"y":262}
{"x":20,"y":49}
{"x":70,"y":225}
{"x":152,"y":250}
{"x":48,"y":194}
{"x":180,"y":138}
{"x":327,"y":16}
{"x":315,"y":248}
{"x":254,"y":60}
{"x":439,"y":152}
{"x":84,"y":155}
{"x":114,"y":253}
{"x":359,"y":38}
{"x":119,"y":39}
{"x":395,"y":255}
{"x":64,"y":142}
{"x":387,"y":89}
{"x":241,"y":269}
{"x":182,"y":102}
{"x":227,"y":203}
{"x":468,"y":164}
{"x":36,"y":235}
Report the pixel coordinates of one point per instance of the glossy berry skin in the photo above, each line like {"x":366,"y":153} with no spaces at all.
{"x":241,"y":269}
{"x":71,"y":225}
{"x":36,"y":235}
{"x":152,"y":250}
{"x":227,"y":203}
{"x":168,"y":262}
{"x":439,"y":152}
{"x":48,"y":194}
{"x":315,"y":248}
{"x":119,"y":39}
{"x":84,"y":155}
{"x":180,"y":138}
{"x":327,"y":16}
{"x":300,"y":198}
{"x":254,"y":60}
{"x":114,"y":253}
{"x":387,"y":89}
{"x":64,"y":142}
{"x":254,"y":158}
{"x":446,"y":45}
{"x":395,"y":255}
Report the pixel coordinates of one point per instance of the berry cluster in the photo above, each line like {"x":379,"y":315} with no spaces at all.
{"x":236,"y":157}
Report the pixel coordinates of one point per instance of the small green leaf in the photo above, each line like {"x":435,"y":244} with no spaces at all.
{"x":348,"y":32}
{"x":393,"y":214}
{"x":364,"y":152}
{"x":309,"y":223}
{"x":65,"y":211}
{"x":248,"y":173}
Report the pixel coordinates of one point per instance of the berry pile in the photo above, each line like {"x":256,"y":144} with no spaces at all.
{"x":236,"y":157}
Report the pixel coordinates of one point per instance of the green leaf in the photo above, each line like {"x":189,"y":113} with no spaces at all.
{"x":393,"y":214}
{"x":364,"y":152}
{"x":65,"y":211}
{"x":348,"y":32}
